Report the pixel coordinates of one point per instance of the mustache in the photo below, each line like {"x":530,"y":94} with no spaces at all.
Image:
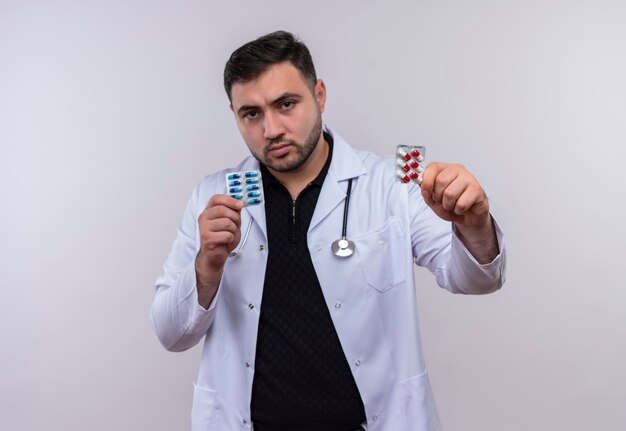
{"x":278,"y":140}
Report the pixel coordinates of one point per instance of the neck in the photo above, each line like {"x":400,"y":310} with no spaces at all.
{"x":297,"y":180}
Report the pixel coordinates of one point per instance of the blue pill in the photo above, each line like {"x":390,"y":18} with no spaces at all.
{"x":253,"y":187}
{"x":236,"y":196}
{"x":234,"y":190}
{"x":251,"y":174}
{"x":254,"y":201}
{"x":234,"y":183}
{"x":253,"y":194}
{"x":234,"y":176}
{"x":252,"y":181}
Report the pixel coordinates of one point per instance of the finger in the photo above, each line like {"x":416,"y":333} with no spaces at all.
{"x":220,"y":212}
{"x":221,"y":225}
{"x":227,"y":201}
{"x":430,"y":173}
{"x":443,"y":180}
{"x":223,"y":232}
{"x":471,"y":198}
{"x":452,"y":193}
{"x":218,"y":240}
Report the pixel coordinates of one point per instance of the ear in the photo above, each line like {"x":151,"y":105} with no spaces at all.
{"x":320,"y":94}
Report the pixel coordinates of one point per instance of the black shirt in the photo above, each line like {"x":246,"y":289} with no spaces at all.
{"x":302,"y":380}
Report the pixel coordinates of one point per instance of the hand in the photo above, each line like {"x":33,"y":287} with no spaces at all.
{"x":455,"y":195}
{"x":220,"y":231}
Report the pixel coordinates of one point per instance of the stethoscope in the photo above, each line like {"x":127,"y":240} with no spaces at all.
{"x":342,"y":247}
{"x":236,"y":252}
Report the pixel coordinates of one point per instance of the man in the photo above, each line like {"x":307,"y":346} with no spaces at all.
{"x":297,"y":338}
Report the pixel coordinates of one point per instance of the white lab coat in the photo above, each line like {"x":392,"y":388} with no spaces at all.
{"x":371,"y":295}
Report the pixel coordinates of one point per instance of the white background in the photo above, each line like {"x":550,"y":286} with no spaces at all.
{"x":111,"y":111}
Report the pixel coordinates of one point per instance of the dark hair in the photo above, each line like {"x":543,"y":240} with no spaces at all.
{"x":251,"y":60}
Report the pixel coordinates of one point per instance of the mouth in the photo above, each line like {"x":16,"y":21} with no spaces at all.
{"x":279,"y":150}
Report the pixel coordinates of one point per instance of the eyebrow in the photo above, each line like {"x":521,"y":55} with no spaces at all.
{"x":287,"y":95}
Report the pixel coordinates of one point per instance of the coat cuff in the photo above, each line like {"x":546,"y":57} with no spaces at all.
{"x":470,"y":276}
{"x":199,"y":319}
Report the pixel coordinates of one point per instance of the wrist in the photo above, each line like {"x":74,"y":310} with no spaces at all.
{"x":480,"y":227}
{"x":480,"y":240}
{"x":208,"y":278}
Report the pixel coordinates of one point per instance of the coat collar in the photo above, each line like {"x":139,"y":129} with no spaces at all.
{"x":346,"y":164}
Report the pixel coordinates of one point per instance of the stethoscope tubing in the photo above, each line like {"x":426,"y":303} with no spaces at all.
{"x":343,"y":247}
{"x":241,"y":245}
{"x":342,"y":251}
{"x":344,"y":227}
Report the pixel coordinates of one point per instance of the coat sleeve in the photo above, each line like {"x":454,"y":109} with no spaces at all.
{"x":176,"y":316}
{"x":437,"y":247}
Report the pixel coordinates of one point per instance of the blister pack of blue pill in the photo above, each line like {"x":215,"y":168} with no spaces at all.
{"x":410,"y":162}
{"x":246,"y":186}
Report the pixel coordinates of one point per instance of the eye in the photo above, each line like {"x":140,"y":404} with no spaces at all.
{"x":287,"y":105}
{"x":250,"y":115}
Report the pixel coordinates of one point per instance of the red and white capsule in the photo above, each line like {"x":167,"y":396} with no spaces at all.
{"x":418,"y":156}
{"x":406,"y":156}
{"x":416,"y":177}
{"x":416,"y":166}
{"x":403,"y":176}
{"x":404,"y":166}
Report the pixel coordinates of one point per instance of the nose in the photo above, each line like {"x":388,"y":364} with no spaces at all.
{"x":272,"y":126}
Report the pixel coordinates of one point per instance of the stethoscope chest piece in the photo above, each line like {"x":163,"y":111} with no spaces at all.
{"x":342,"y":247}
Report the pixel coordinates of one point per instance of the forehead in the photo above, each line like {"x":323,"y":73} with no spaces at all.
{"x":279,"y":79}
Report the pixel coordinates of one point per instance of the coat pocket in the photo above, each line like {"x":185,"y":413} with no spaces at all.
{"x":203,"y":409}
{"x":380,"y":255}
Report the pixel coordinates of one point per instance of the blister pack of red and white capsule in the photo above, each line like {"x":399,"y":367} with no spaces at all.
{"x":246,"y":186}
{"x":410,"y":164}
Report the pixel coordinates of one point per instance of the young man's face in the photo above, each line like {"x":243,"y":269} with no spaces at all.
{"x":279,"y":117}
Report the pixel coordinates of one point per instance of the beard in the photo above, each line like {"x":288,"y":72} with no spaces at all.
{"x":289,"y":162}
